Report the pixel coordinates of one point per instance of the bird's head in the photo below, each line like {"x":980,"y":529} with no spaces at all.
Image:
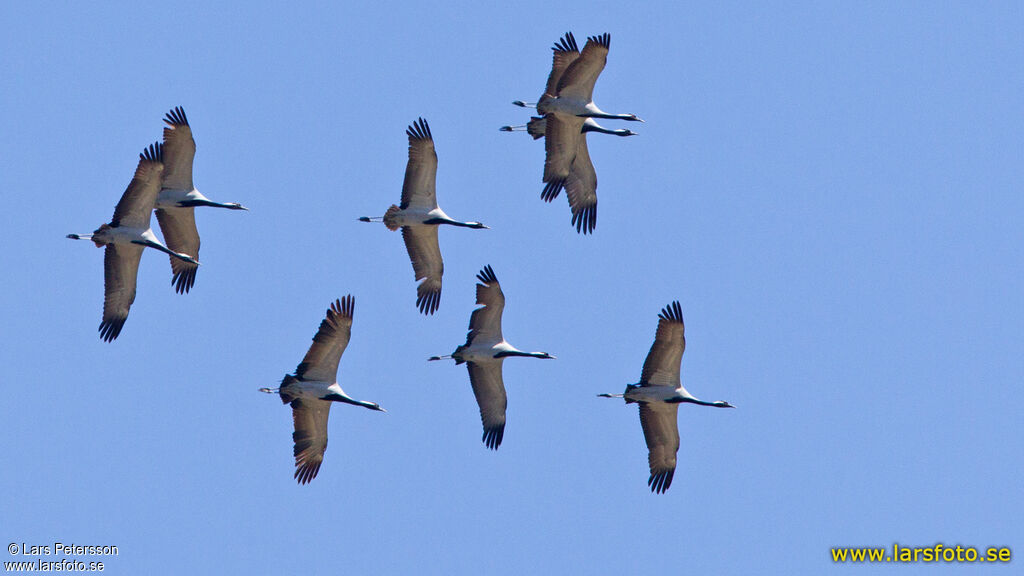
{"x":633,"y":118}
{"x":478,"y":225}
{"x":545,"y":356}
{"x":625,"y":132}
{"x":375,"y":406}
{"x":722,"y":404}
{"x":236,"y":206}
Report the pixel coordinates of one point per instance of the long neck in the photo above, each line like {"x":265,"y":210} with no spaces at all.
{"x":520,"y":353}
{"x":347,"y":400}
{"x":595,"y":127}
{"x":156,"y":245}
{"x":451,"y":222}
{"x":464,"y":224}
{"x":704,"y":403}
{"x":210,"y":203}
{"x":600,"y":114}
{"x":169,"y":252}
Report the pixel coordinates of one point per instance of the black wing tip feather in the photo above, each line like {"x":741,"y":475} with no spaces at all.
{"x":153,"y":153}
{"x":428,"y":302}
{"x":486,"y":275}
{"x":176,"y":117}
{"x":306,"y":471}
{"x":673,"y":312}
{"x":604,"y":40}
{"x":661,"y":480}
{"x":184,"y":280}
{"x":110,"y":329}
{"x":419,"y":130}
{"x":551,"y":189}
{"x":585,"y":220}
{"x":566,"y":43}
{"x":493,"y":436}
{"x":344,"y":306}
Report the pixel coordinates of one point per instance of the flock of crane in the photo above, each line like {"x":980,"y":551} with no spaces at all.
{"x":163,"y":182}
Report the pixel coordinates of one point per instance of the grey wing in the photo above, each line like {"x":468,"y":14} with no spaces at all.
{"x":419,"y":187}
{"x":425,"y":253}
{"x":581,"y":189}
{"x":561,"y":141}
{"x":321,"y":361}
{"x":310,"y":436}
{"x":661,"y":368}
{"x":577,"y":82}
{"x":489,"y":390}
{"x":181,"y":235}
{"x":139,"y":198}
{"x":120,"y":271}
{"x":565,"y":52}
{"x":661,"y":431}
{"x":485,"y":322}
{"x":179,"y":151}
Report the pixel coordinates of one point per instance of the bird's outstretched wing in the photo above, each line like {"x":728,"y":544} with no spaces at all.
{"x":581,"y":189}
{"x":577,"y":82}
{"x":564,"y":53}
{"x":419,"y":187}
{"x":138,"y":200}
{"x":561,"y":142}
{"x":662,"y":365}
{"x":661,"y":431}
{"x":330,"y":341}
{"x":489,"y":390}
{"x":310,"y":436}
{"x":179,"y":151}
{"x":425,"y":253}
{"x":120,"y":272}
{"x":181,"y":235}
{"x":485,"y":322}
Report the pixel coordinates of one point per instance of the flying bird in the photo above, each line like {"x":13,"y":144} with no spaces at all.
{"x":564,"y":52}
{"x":659,"y":394}
{"x":569,"y":102}
{"x":581,"y":184}
{"x":125,"y":237}
{"x":484,"y":352}
{"x":175,"y":207}
{"x":314,"y":386}
{"x":567,"y":155}
{"x":419,"y":217}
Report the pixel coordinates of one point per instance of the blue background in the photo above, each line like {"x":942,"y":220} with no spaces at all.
{"x":832,"y":190}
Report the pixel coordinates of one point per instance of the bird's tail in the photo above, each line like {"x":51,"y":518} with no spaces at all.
{"x":389,"y":218}
{"x":536,"y":127}
{"x":285,"y":391}
{"x":92,"y":236}
{"x":628,"y":388}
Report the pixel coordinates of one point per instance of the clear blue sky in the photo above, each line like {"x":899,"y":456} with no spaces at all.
{"x":832,"y":190}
